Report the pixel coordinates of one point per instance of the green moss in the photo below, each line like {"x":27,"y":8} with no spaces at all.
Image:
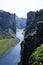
{"x":38,"y":56}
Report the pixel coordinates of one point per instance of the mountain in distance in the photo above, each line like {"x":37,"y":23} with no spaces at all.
{"x":20,"y":22}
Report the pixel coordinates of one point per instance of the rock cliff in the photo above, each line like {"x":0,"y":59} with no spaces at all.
{"x":7,"y":22}
{"x":33,"y":37}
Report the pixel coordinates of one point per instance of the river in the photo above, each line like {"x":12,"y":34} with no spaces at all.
{"x":13,"y":57}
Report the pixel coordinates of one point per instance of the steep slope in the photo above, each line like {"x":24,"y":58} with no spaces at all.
{"x":33,"y":37}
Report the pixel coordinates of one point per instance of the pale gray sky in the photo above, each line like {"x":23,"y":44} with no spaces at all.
{"x":21,"y":7}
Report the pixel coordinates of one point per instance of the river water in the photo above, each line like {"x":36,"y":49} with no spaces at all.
{"x":13,"y":57}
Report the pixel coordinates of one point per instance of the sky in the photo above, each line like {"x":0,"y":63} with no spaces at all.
{"x":21,"y":7}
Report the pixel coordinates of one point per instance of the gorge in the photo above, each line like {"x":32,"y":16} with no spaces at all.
{"x":17,"y":48}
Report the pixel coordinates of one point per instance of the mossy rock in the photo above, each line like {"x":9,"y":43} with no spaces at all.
{"x":37,"y":56}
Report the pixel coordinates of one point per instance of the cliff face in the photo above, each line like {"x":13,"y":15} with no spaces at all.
{"x":32,"y":19}
{"x":13,"y":22}
{"x":7,"y":21}
{"x":33,"y":36}
{"x":4,"y":20}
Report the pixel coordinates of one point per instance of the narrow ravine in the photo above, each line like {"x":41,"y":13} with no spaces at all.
{"x":13,"y":57}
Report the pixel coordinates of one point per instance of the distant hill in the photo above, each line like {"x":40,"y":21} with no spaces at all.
{"x":20,"y":22}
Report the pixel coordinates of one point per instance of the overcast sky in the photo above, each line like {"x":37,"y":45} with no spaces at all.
{"x":21,"y":7}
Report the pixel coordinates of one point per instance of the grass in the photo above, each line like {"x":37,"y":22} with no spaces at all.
{"x":38,"y":56}
{"x":6,"y":45}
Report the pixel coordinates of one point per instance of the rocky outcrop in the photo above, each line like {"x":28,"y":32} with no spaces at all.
{"x":33,"y":36}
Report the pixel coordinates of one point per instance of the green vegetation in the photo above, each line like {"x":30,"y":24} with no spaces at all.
{"x":6,"y":45}
{"x":11,"y":31}
{"x":37,"y":55}
{"x":7,"y":41}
